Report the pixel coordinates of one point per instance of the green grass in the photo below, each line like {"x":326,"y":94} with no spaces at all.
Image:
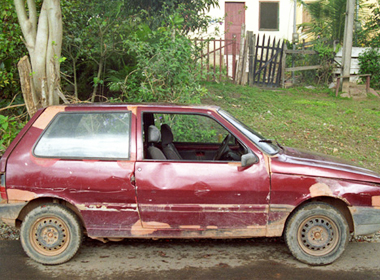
{"x":312,"y":119}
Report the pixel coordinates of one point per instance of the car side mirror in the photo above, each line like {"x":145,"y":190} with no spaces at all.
{"x":248,"y":160}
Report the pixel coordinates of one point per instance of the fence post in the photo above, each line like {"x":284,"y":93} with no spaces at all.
{"x":251,"y":45}
{"x":283,"y":66}
{"x":208,"y":60}
{"x":214,"y":50}
{"x":233,"y":59}
{"x":220,"y":60}
{"x":243,"y":76}
{"x":239,"y":71}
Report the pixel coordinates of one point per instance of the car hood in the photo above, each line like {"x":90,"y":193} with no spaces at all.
{"x":300,"y":162}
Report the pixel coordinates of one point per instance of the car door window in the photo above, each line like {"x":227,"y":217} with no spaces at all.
{"x":197,"y":137}
{"x":100,"y":135}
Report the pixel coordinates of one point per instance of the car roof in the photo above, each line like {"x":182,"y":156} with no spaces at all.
{"x":141,"y":105}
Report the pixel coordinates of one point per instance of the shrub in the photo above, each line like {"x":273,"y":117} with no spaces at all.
{"x":164,"y":67}
{"x":369,"y":63}
{"x":9,"y":128}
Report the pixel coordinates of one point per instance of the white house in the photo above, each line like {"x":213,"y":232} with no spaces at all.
{"x":270,"y":17}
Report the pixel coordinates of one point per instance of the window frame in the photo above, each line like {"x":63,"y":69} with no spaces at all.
{"x":129,"y":113}
{"x":190,"y":113}
{"x":278,"y":15}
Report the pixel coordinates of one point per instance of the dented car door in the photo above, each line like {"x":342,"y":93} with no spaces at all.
{"x":202,"y":196}
{"x":207,"y":197}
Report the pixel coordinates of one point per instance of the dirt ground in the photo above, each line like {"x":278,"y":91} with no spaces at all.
{"x":259,"y":258}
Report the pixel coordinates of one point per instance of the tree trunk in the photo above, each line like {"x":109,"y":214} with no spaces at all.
{"x":27,"y":88}
{"x":43,"y":42}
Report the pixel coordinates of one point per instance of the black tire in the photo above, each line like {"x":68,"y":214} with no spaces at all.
{"x":317,"y":233}
{"x":51,"y":234}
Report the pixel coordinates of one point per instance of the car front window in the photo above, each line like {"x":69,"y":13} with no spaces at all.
{"x":254,"y":136}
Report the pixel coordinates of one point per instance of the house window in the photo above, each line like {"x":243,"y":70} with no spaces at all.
{"x":269,"y":20}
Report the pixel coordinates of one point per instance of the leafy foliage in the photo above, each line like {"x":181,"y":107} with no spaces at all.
{"x":137,"y":48}
{"x":370,"y":34}
{"x":369,"y":62}
{"x":164,"y":65}
{"x":12,"y":48}
{"x":328,"y":19}
{"x":9,"y":128}
{"x":193,"y":12}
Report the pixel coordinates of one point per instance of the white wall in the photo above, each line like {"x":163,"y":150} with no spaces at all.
{"x":252,"y":19}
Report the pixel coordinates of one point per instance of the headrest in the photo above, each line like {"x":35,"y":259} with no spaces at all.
{"x":166,"y":134}
{"x":154,"y":134}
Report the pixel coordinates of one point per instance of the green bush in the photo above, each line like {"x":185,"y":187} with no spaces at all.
{"x":165,"y":68}
{"x":324,"y":57}
{"x":9,"y":128}
{"x":369,"y":63}
{"x":12,"y":49}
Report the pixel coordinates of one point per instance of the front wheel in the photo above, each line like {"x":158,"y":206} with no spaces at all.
{"x":51,"y":234}
{"x":317,"y":233}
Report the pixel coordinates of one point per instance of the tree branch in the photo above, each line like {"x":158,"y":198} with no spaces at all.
{"x":27,"y":28}
{"x":11,"y":106}
{"x":38,"y":58}
{"x":32,"y":13}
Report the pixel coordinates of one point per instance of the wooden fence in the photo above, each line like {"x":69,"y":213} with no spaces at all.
{"x":260,"y":60}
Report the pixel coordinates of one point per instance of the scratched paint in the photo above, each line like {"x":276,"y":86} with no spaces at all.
{"x":320,"y":189}
{"x":116,"y":207}
{"x":47,"y":116}
{"x":141,"y":228}
{"x":376,"y":201}
{"x":15,"y":195}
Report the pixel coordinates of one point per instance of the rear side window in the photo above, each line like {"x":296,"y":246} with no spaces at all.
{"x":96,"y":135}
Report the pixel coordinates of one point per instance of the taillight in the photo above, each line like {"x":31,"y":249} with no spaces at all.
{"x":3,"y":194}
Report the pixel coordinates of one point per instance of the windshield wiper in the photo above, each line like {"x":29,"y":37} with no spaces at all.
{"x":273,"y":142}
{"x":269,"y":141}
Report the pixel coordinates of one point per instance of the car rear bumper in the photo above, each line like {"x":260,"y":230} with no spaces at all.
{"x":10,"y":212}
{"x":366,"y":220}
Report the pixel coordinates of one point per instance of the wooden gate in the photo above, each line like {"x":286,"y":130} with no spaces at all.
{"x":221,"y":58}
{"x":217,"y":58}
{"x":266,"y":69}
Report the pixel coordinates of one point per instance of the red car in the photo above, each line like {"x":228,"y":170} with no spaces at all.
{"x":114,"y":171}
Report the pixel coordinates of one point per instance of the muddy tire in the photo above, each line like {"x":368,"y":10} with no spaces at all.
{"x":51,"y":234}
{"x":317,"y":234}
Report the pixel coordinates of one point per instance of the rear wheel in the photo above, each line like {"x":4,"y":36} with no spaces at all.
{"x":317,"y":234}
{"x":51,"y":234}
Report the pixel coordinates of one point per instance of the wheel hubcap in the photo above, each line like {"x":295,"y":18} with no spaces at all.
{"x":318,"y":235}
{"x":49,"y":236}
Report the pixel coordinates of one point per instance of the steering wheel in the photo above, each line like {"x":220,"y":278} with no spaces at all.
{"x":223,"y":147}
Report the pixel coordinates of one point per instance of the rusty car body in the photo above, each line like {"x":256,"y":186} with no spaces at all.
{"x":106,"y":170}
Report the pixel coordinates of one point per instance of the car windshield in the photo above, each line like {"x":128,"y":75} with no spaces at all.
{"x":261,"y":142}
